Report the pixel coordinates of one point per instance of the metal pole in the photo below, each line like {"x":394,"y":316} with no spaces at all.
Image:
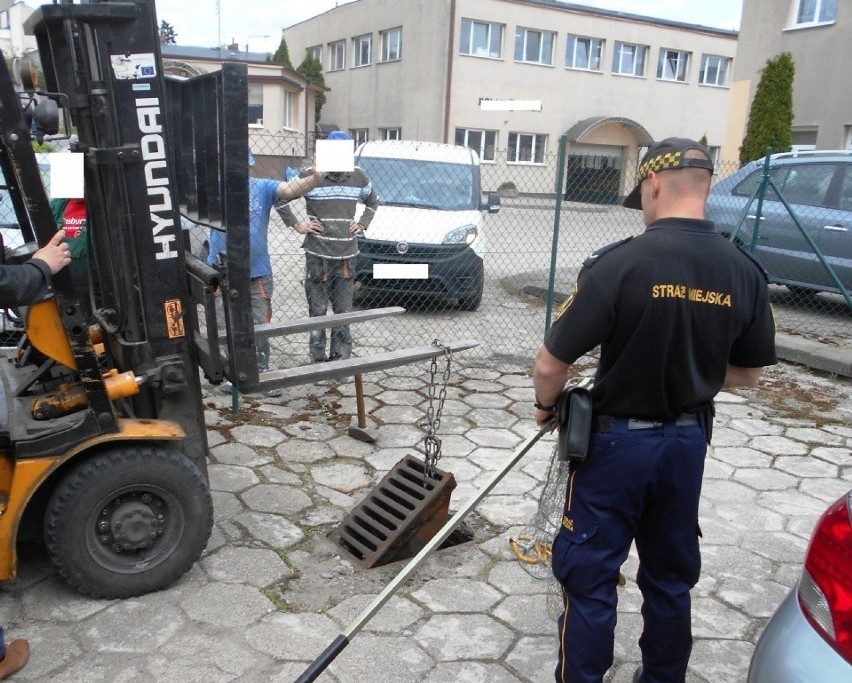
{"x":551,"y":283}
{"x":336,"y":647}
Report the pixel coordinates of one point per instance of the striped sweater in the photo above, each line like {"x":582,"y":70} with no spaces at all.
{"x":333,"y":204}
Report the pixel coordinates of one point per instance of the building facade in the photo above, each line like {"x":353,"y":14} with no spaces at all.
{"x":818,"y":34}
{"x":510,"y":77}
{"x":281,"y":102}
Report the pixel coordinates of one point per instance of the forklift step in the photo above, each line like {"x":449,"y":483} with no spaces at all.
{"x":399,"y":517}
{"x":337,"y":369}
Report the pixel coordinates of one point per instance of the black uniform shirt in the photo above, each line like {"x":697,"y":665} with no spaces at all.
{"x":670,"y":309}
{"x":22,"y":285}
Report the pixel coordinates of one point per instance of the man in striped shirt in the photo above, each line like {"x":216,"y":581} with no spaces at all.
{"x":331,"y":246}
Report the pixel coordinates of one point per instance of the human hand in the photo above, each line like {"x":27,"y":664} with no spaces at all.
{"x":356,"y":228}
{"x":56,"y":254}
{"x":311,"y":227}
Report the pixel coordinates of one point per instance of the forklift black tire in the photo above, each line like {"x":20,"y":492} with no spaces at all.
{"x":128,"y":521}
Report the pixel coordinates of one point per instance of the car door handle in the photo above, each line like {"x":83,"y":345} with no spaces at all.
{"x":836,"y":228}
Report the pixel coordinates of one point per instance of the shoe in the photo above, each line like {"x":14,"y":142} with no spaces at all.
{"x":17,"y":655}
{"x":226,"y":387}
{"x":637,"y":674}
{"x":275,"y":393}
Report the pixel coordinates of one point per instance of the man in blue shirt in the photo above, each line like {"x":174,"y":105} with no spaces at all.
{"x":262,"y":193}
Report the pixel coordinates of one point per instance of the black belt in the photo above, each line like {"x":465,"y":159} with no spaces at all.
{"x":607,"y":423}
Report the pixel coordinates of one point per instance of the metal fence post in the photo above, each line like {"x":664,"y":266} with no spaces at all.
{"x":560,"y":179}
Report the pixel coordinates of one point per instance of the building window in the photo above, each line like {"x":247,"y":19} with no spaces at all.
{"x":391,"y":133}
{"x":363,"y":50}
{"x":392,"y":44}
{"x":816,"y":11}
{"x":337,"y":55}
{"x":359,"y":135}
{"x":287,"y":109}
{"x":481,"y":39}
{"x":255,"y":104}
{"x":4,"y":19}
{"x":535,"y":47}
{"x":629,"y":59}
{"x":714,"y":70}
{"x":483,"y":142}
{"x":672,"y":65}
{"x":526,"y":148}
{"x":316,"y":52}
{"x":584,"y":53}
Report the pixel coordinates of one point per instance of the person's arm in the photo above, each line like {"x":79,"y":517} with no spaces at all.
{"x":370,"y":198}
{"x":22,"y":285}
{"x":549,"y":377}
{"x":299,"y":186}
{"x":737,"y":376}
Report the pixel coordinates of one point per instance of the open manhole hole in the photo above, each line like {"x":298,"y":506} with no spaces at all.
{"x":400,"y":516}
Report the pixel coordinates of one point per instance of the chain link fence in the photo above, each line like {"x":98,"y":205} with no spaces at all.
{"x":531,"y":251}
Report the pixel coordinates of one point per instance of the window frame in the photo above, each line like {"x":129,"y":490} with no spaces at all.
{"x":315,"y":51}
{"x":681,"y":72}
{"x":638,"y":57}
{"x":360,"y":135}
{"x":818,"y":7}
{"x":470,"y":49}
{"x":513,"y":149}
{"x":595,"y":45}
{"x":483,"y":146}
{"x":523,"y":33}
{"x":391,"y":133}
{"x":287,"y":106}
{"x":358,"y":44}
{"x":387,"y":45}
{"x":337,"y":48}
{"x":255,"y":91}
{"x":726,"y":73}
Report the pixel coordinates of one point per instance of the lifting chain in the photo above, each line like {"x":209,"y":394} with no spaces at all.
{"x":432,"y":443}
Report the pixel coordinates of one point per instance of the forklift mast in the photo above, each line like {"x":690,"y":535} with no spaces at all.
{"x":104,"y":57}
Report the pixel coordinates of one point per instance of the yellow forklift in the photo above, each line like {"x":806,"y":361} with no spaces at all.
{"x":103,"y":446}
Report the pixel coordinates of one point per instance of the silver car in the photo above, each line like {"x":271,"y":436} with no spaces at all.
{"x":809,"y":638}
{"x":818,"y":187}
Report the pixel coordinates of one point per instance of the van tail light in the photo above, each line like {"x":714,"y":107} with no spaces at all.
{"x":825,"y":591}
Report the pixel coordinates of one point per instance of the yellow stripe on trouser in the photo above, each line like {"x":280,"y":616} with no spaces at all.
{"x":563,"y":653}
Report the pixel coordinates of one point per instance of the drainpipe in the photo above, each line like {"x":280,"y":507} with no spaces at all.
{"x":452,"y":41}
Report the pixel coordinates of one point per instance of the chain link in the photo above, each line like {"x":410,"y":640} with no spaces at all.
{"x":432,"y":442}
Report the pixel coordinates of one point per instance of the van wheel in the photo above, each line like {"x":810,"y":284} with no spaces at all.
{"x":128,"y":521}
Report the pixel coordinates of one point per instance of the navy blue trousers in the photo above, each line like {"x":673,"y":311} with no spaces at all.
{"x":643,"y":485}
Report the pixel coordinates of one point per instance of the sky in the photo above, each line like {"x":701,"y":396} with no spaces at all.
{"x":258,"y":23}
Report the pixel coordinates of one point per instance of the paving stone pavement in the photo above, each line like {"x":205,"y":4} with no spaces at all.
{"x":271,"y":591}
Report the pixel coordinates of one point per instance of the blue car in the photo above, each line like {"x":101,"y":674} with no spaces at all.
{"x":809,"y":638}
{"x":818,"y":187}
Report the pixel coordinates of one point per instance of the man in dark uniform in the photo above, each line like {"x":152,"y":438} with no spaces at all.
{"x":679,"y":313}
{"x":21,"y":285}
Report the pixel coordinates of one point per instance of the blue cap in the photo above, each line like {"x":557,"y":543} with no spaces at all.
{"x":339,"y":135}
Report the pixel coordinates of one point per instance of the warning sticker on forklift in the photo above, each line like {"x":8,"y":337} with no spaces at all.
{"x":174,"y":318}
{"x":134,"y":66}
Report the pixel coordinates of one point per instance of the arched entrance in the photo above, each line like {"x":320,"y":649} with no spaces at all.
{"x":599,"y":149}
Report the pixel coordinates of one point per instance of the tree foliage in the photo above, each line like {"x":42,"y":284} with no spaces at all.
{"x":167,"y":33}
{"x":770,"y":122}
{"x":282,"y":55}
{"x":311,"y":69}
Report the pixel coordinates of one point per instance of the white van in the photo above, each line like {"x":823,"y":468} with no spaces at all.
{"x":427,"y":237}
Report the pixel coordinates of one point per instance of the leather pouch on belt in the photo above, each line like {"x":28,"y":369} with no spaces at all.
{"x":574,"y":423}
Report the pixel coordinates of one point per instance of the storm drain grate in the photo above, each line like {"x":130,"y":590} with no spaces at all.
{"x":399,"y":516}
